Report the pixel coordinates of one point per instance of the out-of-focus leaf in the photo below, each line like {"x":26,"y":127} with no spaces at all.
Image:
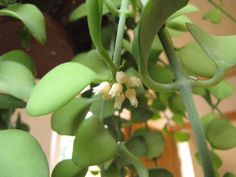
{"x":160,"y":172}
{"x":30,"y":16}
{"x":8,"y":101}
{"x":67,"y":168}
{"x":19,"y":57}
{"x":21,"y":155}
{"x":214,"y":16}
{"x":207,"y":119}
{"x":155,"y":142}
{"x":179,"y":23}
{"x":221,"y":49}
{"x":181,"y":136}
{"x":216,"y":160}
{"x":222,"y":90}
{"x":137,"y":146}
{"x":16,"y":79}
{"x":221,"y":134}
{"x":94,"y":61}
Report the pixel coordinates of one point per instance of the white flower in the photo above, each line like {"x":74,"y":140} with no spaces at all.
{"x":119,"y":100}
{"x":151,"y":96}
{"x":116,"y":90}
{"x":121,"y":77}
{"x":131,"y":95}
{"x":133,"y":82}
{"x":104,"y":88}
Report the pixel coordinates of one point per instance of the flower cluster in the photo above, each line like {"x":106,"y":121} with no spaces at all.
{"x":117,"y":91}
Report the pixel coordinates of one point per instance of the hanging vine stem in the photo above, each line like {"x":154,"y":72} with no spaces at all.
{"x":120,"y":32}
{"x":222,"y":10}
{"x":185,"y":87}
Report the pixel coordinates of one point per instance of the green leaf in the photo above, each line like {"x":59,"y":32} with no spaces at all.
{"x":67,"y":168}
{"x":221,"y":134}
{"x":207,"y":119}
{"x":93,"y":144}
{"x":228,"y":174}
{"x":137,"y":146}
{"x":216,"y":160}
{"x":178,"y":119}
{"x":222,"y":90}
{"x":30,"y":16}
{"x":155,"y":142}
{"x":159,"y":172}
{"x":68,"y":118}
{"x":196,"y":61}
{"x":58,"y":87}
{"x":176,"y":105}
{"x":181,"y":136}
{"x":102,"y":108}
{"x":154,"y":15}
{"x":7,"y":2}
{"x":78,"y":13}
{"x":161,"y":74}
{"x":81,"y":11}
{"x":179,"y":23}
{"x":221,"y":49}
{"x":8,"y":101}
{"x":214,"y":16}
{"x":21,"y":155}
{"x":95,"y":62}
{"x":16,"y":79}
{"x":21,"y":57}
{"x":185,"y":10}
{"x":25,"y":38}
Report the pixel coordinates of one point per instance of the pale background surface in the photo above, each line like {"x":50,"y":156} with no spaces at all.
{"x":40,"y":127}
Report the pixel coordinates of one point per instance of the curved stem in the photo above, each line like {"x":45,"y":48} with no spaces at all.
{"x":223,"y":10}
{"x":111,"y":7}
{"x":220,"y":73}
{"x":120,"y":32}
{"x":141,"y":170}
{"x":185,"y":87}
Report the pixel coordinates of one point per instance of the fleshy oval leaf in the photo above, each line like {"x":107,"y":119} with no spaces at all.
{"x":21,"y":155}
{"x":221,"y":134}
{"x":58,"y":87}
{"x":21,"y":57}
{"x":67,"y":119}
{"x":95,"y":62}
{"x":93,"y":144}
{"x":8,"y":101}
{"x":221,"y":49}
{"x":30,"y":16}
{"x":16,"y":79}
{"x":196,"y":61}
{"x":67,"y":168}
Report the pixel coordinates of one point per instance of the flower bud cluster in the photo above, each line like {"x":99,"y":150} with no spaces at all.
{"x":117,"y":91}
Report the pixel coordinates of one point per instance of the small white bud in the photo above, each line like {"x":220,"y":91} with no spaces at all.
{"x":133,"y":82}
{"x":119,"y":100}
{"x":131,"y":95}
{"x":104,"y":87}
{"x":121,"y":77}
{"x":116,"y":90}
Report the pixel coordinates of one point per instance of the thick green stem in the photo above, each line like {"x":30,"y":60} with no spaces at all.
{"x":120,"y":32}
{"x":141,"y":170}
{"x":220,"y":73}
{"x":185,"y":87}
